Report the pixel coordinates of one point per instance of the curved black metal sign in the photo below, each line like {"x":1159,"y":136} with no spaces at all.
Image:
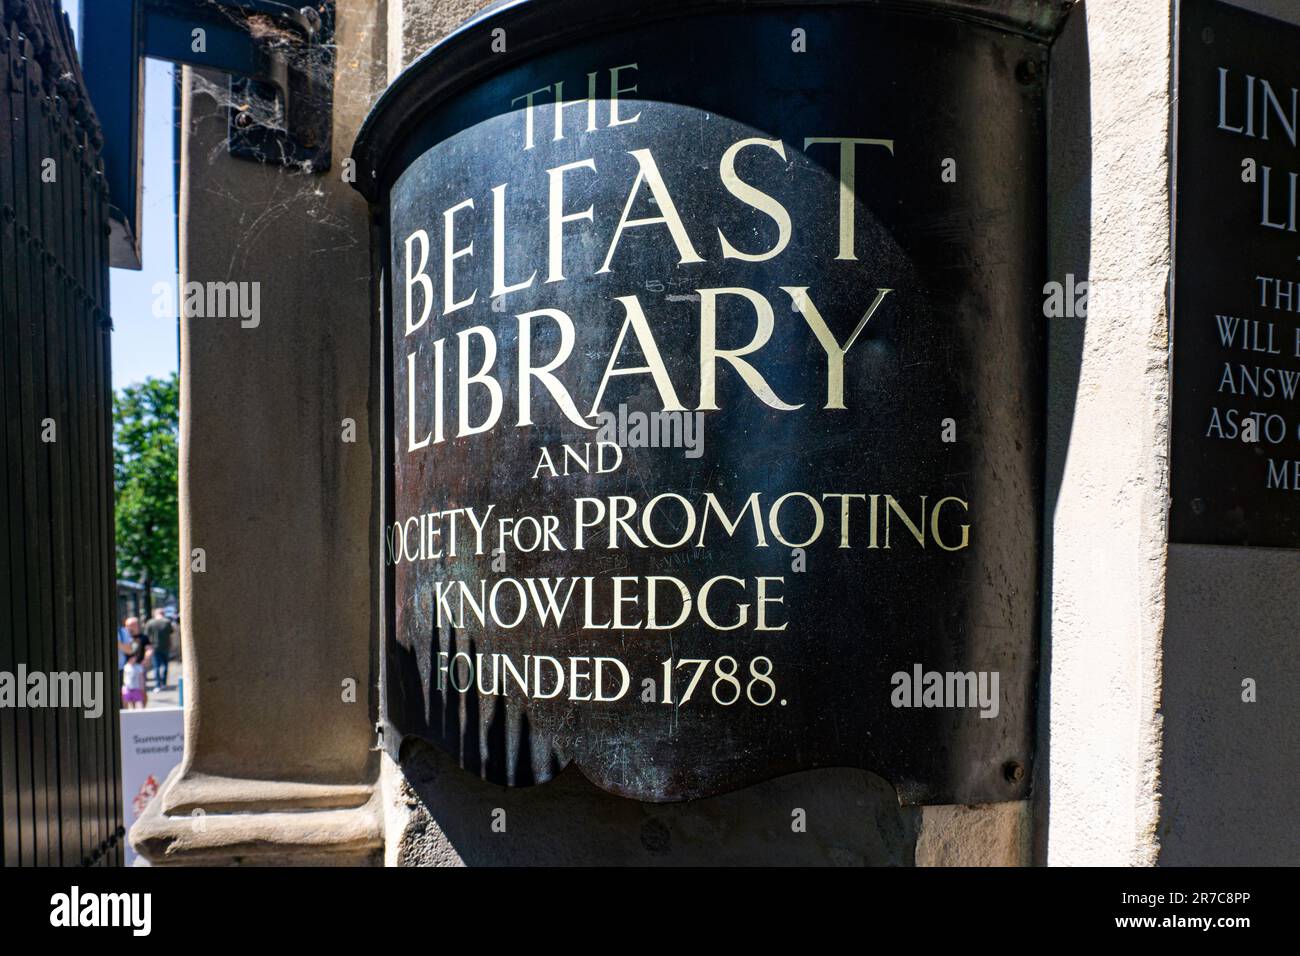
{"x":716,"y":404}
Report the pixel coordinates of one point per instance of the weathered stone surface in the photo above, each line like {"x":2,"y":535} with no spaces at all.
{"x":281,"y":616}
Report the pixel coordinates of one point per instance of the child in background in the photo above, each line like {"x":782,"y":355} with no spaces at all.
{"x":135,"y":696}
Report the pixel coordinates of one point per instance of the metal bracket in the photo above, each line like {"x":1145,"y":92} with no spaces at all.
{"x":281,"y":58}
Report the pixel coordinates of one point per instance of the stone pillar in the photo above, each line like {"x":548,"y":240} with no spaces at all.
{"x":276,"y":503}
{"x":416,"y":25}
{"x":1108,"y":405}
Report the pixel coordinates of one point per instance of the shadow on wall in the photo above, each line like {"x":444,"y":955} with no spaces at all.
{"x":1069,"y":237}
{"x":1228,"y":795}
{"x":851,"y":818}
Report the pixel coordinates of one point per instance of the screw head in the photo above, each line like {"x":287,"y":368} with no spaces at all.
{"x":312,"y":17}
{"x":1013,"y":771}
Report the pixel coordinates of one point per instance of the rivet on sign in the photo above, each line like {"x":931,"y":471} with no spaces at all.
{"x":312,"y":17}
{"x":1027,"y":71}
{"x":1013,"y":771}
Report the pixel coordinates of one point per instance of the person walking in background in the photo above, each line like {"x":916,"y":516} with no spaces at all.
{"x":127,"y":634}
{"x":135,"y":690}
{"x":159,"y":632}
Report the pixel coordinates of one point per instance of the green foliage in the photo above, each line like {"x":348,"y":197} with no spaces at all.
{"x":146,"y":432}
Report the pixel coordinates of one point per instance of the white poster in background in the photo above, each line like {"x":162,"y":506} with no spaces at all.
{"x":153,"y":742}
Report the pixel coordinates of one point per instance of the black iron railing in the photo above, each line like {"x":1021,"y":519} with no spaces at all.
{"x":59,"y":781}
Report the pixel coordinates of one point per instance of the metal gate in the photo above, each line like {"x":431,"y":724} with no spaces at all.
{"x":59,"y":764}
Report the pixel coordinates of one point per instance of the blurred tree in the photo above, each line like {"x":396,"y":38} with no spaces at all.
{"x":146,"y":430}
